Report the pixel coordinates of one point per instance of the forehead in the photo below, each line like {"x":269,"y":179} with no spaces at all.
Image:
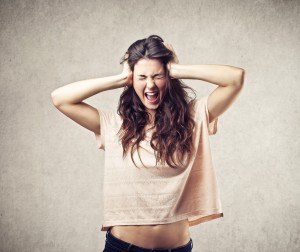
{"x":148,"y":66}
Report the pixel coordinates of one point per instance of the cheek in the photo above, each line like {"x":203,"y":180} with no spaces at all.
{"x":138,"y":87}
{"x":161,"y":84}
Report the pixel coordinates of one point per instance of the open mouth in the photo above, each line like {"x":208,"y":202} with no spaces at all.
{"x":152,"y":96}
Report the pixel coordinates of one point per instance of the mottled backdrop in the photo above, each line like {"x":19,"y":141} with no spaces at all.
{"x":51,"y":171}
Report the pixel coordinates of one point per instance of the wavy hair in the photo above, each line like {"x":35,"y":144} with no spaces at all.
{"x":172,"y":138}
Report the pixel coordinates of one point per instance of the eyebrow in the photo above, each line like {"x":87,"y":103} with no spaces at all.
{"x":142,"y":75}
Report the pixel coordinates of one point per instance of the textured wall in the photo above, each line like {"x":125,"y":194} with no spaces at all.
{"x":51,"y":170}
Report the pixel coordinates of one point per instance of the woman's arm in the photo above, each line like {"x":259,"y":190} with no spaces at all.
{"x":229,"y":79}
{"x":69,"y":99}
{"x":78,"y":91}
{"x":220,"y":75}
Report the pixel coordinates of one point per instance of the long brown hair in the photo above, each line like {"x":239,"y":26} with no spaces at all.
{"x":172,"y":139}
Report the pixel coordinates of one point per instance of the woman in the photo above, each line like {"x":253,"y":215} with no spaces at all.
{"x":158,"y":176}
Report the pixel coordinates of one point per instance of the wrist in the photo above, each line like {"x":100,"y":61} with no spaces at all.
{"x":122,"y":80}
{"x":176,"y":71}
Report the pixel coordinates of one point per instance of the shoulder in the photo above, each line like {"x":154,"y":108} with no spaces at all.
{"x":109,"y":117}
{"x":198,"y":107}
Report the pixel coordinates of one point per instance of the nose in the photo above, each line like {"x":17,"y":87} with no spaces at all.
{"x":150,"y":83}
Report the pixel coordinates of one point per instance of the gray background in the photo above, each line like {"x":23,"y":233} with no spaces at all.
{"x":51,"y":170}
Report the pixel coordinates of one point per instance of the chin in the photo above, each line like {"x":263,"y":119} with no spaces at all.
{"x":152,"y":106}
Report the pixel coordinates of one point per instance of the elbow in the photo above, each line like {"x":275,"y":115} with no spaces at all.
{"x":55,"y":98}
{"x":240,"y":78}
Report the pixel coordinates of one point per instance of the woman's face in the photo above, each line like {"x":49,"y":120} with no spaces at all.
{"x":149,"y":82}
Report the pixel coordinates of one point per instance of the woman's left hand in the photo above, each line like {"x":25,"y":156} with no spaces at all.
{"x":173,"y":62}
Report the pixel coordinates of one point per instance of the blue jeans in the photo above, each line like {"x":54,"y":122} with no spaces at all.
{"x":113,"y":244}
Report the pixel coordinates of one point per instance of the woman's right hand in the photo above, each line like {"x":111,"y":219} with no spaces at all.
{"x":127,"y":73}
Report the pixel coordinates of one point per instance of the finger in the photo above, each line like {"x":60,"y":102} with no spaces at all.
{"x":169,"y":46}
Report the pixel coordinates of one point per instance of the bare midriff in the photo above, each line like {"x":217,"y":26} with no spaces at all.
{"x":168,"y":235}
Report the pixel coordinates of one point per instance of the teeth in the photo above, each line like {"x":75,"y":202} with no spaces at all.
{"x":151,"y":95}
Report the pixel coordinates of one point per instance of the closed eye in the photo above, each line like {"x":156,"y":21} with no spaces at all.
{"x":156,"y":77}
{"x":159,"y":76}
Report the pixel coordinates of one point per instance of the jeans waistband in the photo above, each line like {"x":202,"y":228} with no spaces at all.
{"x":114,"y":241}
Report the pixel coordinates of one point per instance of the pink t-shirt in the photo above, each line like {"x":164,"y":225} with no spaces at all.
{"x":156,"y":194}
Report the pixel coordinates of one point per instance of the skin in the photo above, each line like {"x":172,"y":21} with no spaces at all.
{"x":149,"y":78}
{"x":169,"y":235}
{"x":69,"y":100}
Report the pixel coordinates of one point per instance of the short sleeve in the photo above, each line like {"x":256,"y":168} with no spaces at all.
{"x":202,"y":114}
{"x":100,"y":139}
{"x":110,"y":123}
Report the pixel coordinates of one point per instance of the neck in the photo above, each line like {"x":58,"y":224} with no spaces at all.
{"x":151,"y":116}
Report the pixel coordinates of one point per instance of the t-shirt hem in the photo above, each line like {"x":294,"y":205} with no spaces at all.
{"x":189,"y":216}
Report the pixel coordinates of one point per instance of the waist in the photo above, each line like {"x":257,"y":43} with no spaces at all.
{"x":150,"y":236}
